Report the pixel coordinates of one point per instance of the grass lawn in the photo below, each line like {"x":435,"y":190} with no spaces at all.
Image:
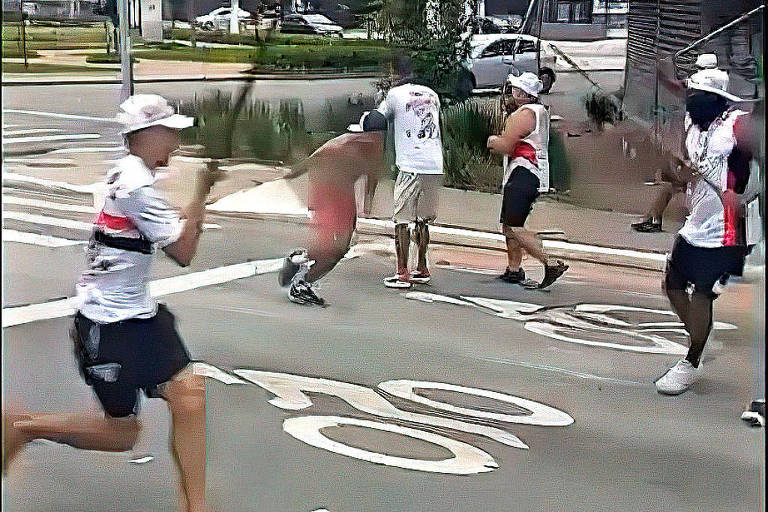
{"x":17,"y":67}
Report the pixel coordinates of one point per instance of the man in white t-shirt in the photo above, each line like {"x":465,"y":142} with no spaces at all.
{"x":711,"y":245}
{"x":126,"y":343}
{"x":414,"y":111}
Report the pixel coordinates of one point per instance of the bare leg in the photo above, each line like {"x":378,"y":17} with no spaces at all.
{"x":402,"y":246}
{"x":186,"y":400}
{"x":528,"y":242}
{"x":700,"y":326}
{"x":77,"y":430}
{"x":664,"y":195}
{"x":514,"y":255}
{"x":421,"y":237}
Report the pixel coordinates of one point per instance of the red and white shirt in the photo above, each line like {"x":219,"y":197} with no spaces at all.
{"x":114,"y":286}
{"x":710,"y":224}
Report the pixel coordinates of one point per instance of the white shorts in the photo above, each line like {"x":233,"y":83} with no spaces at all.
{"x":417,"y":197}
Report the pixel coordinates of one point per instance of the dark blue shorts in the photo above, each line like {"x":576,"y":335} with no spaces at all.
{"x":702,"y":267}
{"x":520,"y":192}
{"x":121,"y":358}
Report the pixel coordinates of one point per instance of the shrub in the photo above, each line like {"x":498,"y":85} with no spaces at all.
{"x":465,"y":128}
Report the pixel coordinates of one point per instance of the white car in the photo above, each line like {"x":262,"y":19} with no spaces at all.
{"x":218,"y":19}
{"x":494,"y":56}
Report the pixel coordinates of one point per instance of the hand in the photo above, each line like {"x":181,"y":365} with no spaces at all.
{"x":492,"y":141}
{"x":207,"y":178}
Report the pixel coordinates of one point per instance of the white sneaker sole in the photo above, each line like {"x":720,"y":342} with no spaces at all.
{"x":420,"y":280}
{"x":397,"y":284}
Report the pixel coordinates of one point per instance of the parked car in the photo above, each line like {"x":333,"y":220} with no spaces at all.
{"x":310,"y":24}
{"x":493,"y":25}
{"x":495,"y":56}
{"x":218,"y":19}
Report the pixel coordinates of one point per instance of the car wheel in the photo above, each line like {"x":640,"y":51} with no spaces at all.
{"x":547,"y":79}
{"x":208,"y":25}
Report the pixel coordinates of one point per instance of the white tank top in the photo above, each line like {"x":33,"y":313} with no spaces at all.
{"x":539,"y":140}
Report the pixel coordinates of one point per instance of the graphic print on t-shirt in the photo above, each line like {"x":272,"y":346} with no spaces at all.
{"x":422,"y":106}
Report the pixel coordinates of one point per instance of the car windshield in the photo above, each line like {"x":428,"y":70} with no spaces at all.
{"x":318,"y":19}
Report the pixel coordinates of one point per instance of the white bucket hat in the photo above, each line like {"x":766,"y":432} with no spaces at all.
{"x":711,"y":80}
{"x":526,"y":82}
{"x":144,"y":110}
{"x":706,"y":61}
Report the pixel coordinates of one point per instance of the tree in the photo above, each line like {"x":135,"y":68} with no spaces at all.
{"x":435,"y":34}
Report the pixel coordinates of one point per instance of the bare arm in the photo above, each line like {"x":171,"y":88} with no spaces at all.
{"x":518,"y":126}
{"x":183,"y":250}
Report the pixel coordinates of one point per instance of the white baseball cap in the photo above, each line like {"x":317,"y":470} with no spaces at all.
{"x":714,"y":81}
{"x":706,"y":61}
{"x":526,"y":82}
{"x":144,"y":110}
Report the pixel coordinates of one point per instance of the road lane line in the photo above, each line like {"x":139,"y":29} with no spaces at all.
{"x":60,"y":116}
{"x":23,"y":178}
{"x":581,"y":375}
{"x":47,"y":138}
{"x":158,"y":288}
{"x":46,"y":220}
{"x":11,"y":235}
{"x":16,"y":133}
{"x":49,"y":205}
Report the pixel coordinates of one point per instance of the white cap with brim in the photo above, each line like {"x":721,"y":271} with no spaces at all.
{"x":707,"y":61}
{"x":714,"y":81}
{"x":145,"y":110}
{"x":526,"y":82}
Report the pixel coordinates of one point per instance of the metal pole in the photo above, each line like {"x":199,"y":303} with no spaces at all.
{"x":234,"y":19}
{"x":125,"y":52}
{"x":23,"y":33}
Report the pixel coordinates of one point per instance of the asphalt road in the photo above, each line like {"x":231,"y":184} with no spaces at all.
{"x":628,"y":448}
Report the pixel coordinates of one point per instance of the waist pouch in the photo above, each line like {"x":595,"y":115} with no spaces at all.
{"x":141,"y":245}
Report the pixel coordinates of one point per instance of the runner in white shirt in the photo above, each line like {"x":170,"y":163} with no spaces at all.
{"x":711,"y":245}
{"x":414,"y":111}
{"x":124,"y":342}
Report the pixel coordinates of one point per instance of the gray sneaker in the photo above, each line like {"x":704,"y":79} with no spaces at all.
{"x":679,"y":378}
{"x":301,"y":292}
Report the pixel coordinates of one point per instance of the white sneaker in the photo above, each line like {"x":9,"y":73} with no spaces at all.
{"x":679,"y":378}
{"x":397,"y":281}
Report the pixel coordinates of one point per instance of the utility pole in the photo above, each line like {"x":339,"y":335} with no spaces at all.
{"x":234,"y":19}
{"x":23,"y":32}
{"x":126,"y":66}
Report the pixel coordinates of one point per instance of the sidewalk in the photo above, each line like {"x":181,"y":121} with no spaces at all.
{"x":471,"y":219}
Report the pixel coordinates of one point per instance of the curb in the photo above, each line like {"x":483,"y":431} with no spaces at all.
{"x":630,"y":258}
{"x":184,"y":78}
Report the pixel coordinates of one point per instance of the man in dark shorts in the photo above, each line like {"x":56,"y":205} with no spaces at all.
{"x":124,"y":341}
{"x":334,"y":169}
{"x":711,"y":244}
{"x":526,"y":173}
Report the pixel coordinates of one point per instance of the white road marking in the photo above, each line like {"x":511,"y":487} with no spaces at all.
{"x":540,"y":414}
{"x":210,"y":371}
{"x":49,"y":205}
{"x":142,"y":460}
{"x":466,"y":460}
{"x":289,"y":394}
{"x":60,"y":116}
{"x":45,"y":220}
{"x":66,"y":307}
{"x":79,"y":150}
{"x":16,"y":133}
{"x":41,"y":162}
{"x":11,"y":235}
{"x":47,"y":138}
{"x":23,"y":178}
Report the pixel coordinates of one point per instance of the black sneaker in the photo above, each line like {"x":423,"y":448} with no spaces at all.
{"x":755,"y":415}
{"x":552,"y":274}
{"x":516,"y":277}
{"x":291,"y":265}
{"x":302,"y":293}
{"x":647,"y":226}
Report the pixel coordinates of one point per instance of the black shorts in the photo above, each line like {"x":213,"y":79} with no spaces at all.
{"x":119,"y":359}
{"x":520,"y":191}
{"x":702,"y":267}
